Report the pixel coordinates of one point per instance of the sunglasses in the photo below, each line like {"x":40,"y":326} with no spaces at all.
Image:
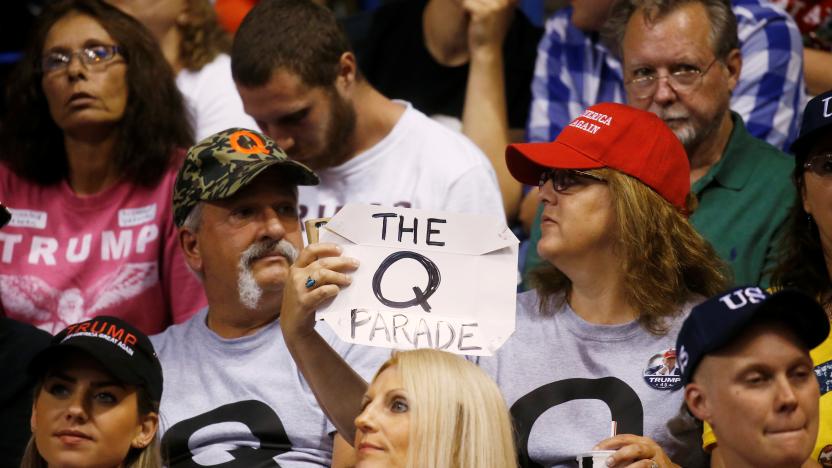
{"x":820,"y":164}
{"x":564,"y":179}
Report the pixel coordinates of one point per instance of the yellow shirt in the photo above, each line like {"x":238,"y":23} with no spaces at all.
{"x":822,"y":358}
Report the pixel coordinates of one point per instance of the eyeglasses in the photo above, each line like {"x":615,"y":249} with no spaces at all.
{"x":91,"y":56}
{"x":564,"y":179}
{"x":820,"y":164}
{"x":682,"y":81}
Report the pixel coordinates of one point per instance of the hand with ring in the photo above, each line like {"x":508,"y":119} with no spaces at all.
{"x":317,"y":275}
{"x":633,"y":451}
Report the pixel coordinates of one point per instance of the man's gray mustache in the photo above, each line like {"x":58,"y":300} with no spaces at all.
{"x":269,"y":247}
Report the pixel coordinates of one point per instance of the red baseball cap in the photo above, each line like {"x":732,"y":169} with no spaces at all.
{"x":670,"y":353}
{"x":617,"y":136}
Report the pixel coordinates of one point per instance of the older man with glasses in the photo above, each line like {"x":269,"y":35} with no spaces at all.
{"x":681,"y":60}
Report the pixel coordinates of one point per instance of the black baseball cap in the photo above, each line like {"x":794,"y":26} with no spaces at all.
{"x":717,"y":321}
{"x":817,"y":121}
{"x":124,"y":351}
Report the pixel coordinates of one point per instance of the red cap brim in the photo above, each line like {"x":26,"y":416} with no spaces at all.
{"x":527,"y":160}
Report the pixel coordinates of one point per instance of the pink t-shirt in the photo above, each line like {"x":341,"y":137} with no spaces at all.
{"x":65,"y":258}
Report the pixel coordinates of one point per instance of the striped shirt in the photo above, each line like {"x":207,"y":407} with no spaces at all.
{"x":575,"y":70}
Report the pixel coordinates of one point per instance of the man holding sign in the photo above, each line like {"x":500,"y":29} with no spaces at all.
{"x":232,"y":393}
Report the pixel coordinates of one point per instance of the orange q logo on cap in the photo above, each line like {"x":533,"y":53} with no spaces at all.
{"x":258,"y":147}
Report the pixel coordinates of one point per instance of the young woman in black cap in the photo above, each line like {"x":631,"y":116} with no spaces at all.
{"x":97,"y":398}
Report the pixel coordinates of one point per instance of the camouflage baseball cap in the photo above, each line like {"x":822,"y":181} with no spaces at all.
{"x":220,"y":165}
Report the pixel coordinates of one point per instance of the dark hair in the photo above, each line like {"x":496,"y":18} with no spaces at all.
{"x":802,"y":265}
{"x":298,"y":35}
{"x":202,"y":36}
{"x":723,"y":22}
{"x":155,"y":120}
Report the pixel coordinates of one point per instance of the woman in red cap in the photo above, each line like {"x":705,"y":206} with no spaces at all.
{"x":623,"y":268}
{"x":97,"y":398}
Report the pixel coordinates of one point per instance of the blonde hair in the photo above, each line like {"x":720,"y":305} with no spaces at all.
{"x":202,"y":36}
{"x":664,"y":260}
{"x":458,"y":418}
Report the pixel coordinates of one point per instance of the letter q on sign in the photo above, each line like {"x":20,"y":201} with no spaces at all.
{"x":421,"y":297}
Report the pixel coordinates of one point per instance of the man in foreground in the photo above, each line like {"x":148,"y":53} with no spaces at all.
{"x":745,"y":363}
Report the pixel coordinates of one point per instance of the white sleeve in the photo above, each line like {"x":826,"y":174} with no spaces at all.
{"x":212,"y":98}
{"x":476,"y":191}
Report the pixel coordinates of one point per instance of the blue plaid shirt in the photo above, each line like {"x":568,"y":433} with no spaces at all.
{"x":574,"y":70}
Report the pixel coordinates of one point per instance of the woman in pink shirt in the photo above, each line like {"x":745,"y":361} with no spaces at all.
{"x":90,"y":149}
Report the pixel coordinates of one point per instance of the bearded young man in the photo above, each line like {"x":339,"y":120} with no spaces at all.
{"x":299,"y":79}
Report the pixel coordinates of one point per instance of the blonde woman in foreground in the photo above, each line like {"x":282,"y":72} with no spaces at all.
{"x":432,"y":408}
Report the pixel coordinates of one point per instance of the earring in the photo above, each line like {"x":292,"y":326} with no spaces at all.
{"x":809,"y":220}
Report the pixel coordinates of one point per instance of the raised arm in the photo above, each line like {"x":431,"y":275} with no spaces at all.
{"x":445,"y":26}
{"x":336,"y":386}
{"x":484,"y":115}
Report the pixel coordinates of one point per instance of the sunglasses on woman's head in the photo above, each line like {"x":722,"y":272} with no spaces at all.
{"x":564,"y":179}
{"x":820,"y":164}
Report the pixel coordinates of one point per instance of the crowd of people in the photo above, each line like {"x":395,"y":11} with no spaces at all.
{"x":158,"y":301}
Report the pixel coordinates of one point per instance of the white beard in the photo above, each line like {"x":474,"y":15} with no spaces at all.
{"x":250,"y":292}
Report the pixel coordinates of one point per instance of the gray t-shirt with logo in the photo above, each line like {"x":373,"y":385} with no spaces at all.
{"x":243,"y":402}
{"x":565,"y":380}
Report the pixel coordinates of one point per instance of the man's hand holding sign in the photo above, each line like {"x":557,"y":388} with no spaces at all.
{"x":328,"y":271}
{"x":397,"y":278}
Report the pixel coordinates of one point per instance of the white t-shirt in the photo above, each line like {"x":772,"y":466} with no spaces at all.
{"x":419,"y":164}
{"x":243,"y":402}
{"x":212,"y":98}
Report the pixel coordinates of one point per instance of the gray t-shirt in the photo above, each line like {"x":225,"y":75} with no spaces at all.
{"x":566,"y":379}
{"x":243,"y":402}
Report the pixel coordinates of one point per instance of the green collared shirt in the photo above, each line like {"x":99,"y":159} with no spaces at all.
{"x":744,"y":200}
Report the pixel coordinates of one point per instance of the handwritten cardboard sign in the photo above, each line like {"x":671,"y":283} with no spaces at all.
{"x":427,"y":279}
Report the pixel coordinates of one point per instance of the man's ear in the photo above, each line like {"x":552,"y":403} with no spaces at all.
{"x":697,"y":401}
{"x":733,"y":65}
{"x":347,"y":73}
{"x":146,"y":430}
{"x":189,"y":243}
